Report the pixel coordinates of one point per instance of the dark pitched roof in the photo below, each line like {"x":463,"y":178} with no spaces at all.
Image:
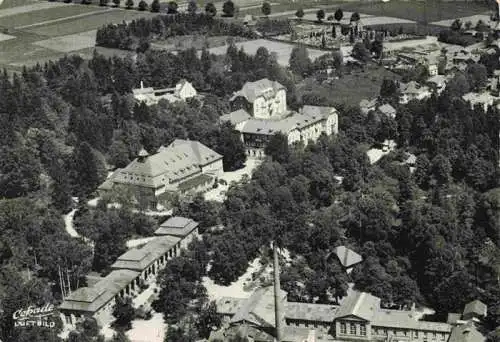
{"x":466,"y":333}
{"x":236,"y":117}
{"x":476,"y":307}
{"x":359,"y":304}
{"x":177,"y":226}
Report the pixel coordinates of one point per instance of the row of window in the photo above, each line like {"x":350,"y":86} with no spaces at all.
{"x":352,"y":329}
{"x":386,"y":332}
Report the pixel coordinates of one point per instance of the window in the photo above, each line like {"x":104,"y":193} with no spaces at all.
{"x":416,"y":334}
{"x":343,"y":329}
{"x":443,"y":337}
{"x":352,"y":329}
{"x":433,"y":336}
{"x":362,"y":330}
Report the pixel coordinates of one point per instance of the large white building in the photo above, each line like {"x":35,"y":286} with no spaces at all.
{"x":260,"y":111}
{"x":182,"y":167}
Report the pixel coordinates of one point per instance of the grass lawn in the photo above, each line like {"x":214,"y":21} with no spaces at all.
{"x":34,"y":17}
{"x":72,"y":26}
{"x":416,"y":10}
{"x":15,"y":3}
{"x":365,"y":83}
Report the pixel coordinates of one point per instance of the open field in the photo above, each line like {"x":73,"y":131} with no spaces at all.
{"x":366,"y":83}
{"x":415,"y":11}
{"x":45,"y":31}
{"x":282,"y":50}
{"x":14,"y":3}
{"x":29,"y":7}
{"x":473,"y":19}
{"x":72,"y":42}
{"x":44,"y":15}
{"x":92,"y":22}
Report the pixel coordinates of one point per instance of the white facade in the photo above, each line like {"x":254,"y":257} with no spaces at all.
{"x":432,"y":69}
{"x":185,"y":90}
{"x":215,"y":168}
{"x":270,"y":105}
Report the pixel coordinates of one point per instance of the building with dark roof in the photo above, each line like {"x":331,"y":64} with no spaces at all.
{"x":475,"y":309}
{"x":182,"y":167}
{"x":466,"y":333}
{"x":98,"y":301}
{"x":179,"y":227}
{"x":359,"y":317}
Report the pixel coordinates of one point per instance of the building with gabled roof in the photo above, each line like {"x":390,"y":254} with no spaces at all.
{"x":347,"y":257}
{"x":182,"y":91}
{"x":475,"y":309}
{"x":358,"y":317}
{"x":466,"y":333}
{"x":98,"y":300}
{"x":179,"y":227}
{"x":182,"y":167}
{"x":413,"y":91}
{"x":260,"y":111}
{"x":387,"y":110}
{"x":367,"y":106}
{"x":263,"y":99}
{"x":144,"y":259}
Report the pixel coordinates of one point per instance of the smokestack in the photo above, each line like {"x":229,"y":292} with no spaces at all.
{"x":277,"y":301}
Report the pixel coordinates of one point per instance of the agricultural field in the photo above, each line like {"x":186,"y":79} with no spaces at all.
{"x":282,"y":50}
{"x":46,"y":15}
{"x":88,"y":23}
{"x":366,"y":82}
{"x":42,"y":31}
{"x":416,"y":11}
{"x":14,"y":3}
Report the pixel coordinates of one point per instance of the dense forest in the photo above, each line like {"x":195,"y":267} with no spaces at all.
{"x":425,"y":231}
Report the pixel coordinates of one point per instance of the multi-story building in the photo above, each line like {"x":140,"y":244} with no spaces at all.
{"x":260,"y":111}
{"x":358,"y":317}
{"x":182,"y":167}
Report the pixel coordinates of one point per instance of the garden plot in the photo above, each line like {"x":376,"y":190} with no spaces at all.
{"x":282,"y":50}
{"x":473,"y":19}
{"x":69,"y":43}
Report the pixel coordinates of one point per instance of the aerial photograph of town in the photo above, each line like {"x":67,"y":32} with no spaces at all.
{"x":249,"y":170}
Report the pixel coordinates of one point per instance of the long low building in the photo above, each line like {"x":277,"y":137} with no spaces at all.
{"x":132,"y":270}
{"x":97,"y":301}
